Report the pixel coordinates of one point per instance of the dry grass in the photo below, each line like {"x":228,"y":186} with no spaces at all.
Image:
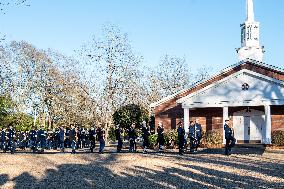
{"x":250,"y":168}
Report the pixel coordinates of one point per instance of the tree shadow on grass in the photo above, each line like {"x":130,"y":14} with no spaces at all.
{"x":195,"y":174}
{"x":3,"y":179}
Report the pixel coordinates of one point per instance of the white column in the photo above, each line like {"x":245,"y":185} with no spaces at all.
{"x":267,"y":133}
{"x":225,"y":116}
{"x":186,"y":119}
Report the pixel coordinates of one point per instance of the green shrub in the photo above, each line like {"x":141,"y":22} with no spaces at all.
{"x":153,"y":140}
{"x":278,"y":138}
{"x":131,"y":113}
{"x":171,"y":138}
{"x":111,"y":134}
{"x":212,"y":137}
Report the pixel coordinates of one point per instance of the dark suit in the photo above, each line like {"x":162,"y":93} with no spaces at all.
{"x":230,"y":140}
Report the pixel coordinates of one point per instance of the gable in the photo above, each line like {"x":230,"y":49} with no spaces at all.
{"x":254,"y":66}
{"x":229,"y":91}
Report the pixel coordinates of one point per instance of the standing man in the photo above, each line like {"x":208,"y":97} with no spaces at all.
{"x":161,"y":139}
{"x":11,"y":139}
{"x":132,"y":138}
{"x":181,"y":138}
{"x":3,"y":140}
{"x":192,"y":136}
{"x":198,"y":133}
{"x":33,"y":139}
{"x":145,"y":136}
{"x":92,"y":138}
{"x":73,"y":138}
{"x":41,"y":135}
{"x":101,"y":138}
{"x":61,"y":137}
{"x":118,"y":136}
{"x":229,"y":136}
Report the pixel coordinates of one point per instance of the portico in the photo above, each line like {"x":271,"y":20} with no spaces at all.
{"x":245,"y":89}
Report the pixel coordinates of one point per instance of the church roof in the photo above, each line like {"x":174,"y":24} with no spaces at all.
{"x":216,"y":77}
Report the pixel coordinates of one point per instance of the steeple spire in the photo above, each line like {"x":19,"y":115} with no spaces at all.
{"x":250,"y":44}
{"x":250,"y":12}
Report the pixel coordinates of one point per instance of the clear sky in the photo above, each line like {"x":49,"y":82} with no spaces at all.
{"x":205,"y":32}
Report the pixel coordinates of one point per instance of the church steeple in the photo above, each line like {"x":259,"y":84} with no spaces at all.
{"x":250,"y":45}
{"x":250,"y":13}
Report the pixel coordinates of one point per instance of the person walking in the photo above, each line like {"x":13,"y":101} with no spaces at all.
{"x":118,"y":136}
{"x":198,"y":128}
{"x":145,"y":136}
{"x":192,"y":136}
{"x":92,"y":138}
{"x":229,"y":136}
{"x":161,"y":139}
{"x":181,"y":138}
{"x":132,"y":138}
{"x":101,"y":138}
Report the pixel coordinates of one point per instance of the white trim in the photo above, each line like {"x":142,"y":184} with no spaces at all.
{"x":235,"y":104}
{"x":254,"y":62}
{"x":267,"y":139}
{"x":182,"y":100}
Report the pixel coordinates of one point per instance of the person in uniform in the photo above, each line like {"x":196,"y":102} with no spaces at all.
{"x":145,"y":136}
{"x":101,"y":138}
{"x":41,"y":137}
{"x":192,"y":136}
{"x":229,"y":136}
{"x":33,"y":139}
{"x":161,"y":139}
{"x":61,"y":137}
{"x":118,"y":136}
{"x":73,"y":138}
{"x":49,"y":140}
{"x":79,"y":136}
{"x":132,"y":138}
{"x":92,"y":138}
{"x":67,"y":142}
{"x":11,"y":139}
{"x":181,"y":139}
{"x":3,"y":140}
{"x":198,"y":133}
{"x":22,"y":140}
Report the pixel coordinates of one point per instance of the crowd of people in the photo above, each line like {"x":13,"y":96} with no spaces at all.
{"x":39,"y":140}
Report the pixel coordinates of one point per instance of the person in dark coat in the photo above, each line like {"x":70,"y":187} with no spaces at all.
{"x":22,"y":140}
{"x":73,"y":138}
{"x":198,"y":133}
{"x":192,"y":136}
{"x":161,"y":139}
{"x":145,"y":136}
{"x":132,"y":138}
{"x":181,"y":139}
{"x":3,"y":140}
{"x":61,"y":137}
{"x":12,"y":139}
{"x":118,"y":136}
{"x":92,"y":138}
{"x":41,"y":137}
{"x":229,"y":136}
{"x":101,"y":138}
{"x":33,"y":139}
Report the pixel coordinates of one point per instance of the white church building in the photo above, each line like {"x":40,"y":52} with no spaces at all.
{"x":249,"y":93}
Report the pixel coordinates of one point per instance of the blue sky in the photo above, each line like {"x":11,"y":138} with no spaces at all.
{"x":205,"y":32}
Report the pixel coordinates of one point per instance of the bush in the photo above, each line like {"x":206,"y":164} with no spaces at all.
{"x":278,"y":138}
{"x":171,"y":138}
{"x":111,"y":134}
{"x":213,"y":137}
{"x":153,"y":140}
{"x":131,"y":113}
